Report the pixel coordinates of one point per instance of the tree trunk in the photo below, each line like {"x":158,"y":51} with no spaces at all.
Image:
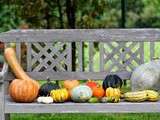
{"x":70,"y":9}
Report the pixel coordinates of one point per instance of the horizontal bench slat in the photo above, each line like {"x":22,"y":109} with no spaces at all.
{"x":71,"y":75}
{"x":81,"y":35}
{"x":122,"y":107}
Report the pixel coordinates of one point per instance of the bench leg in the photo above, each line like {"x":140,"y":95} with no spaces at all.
{"x":2,"y":102}
{"x":7,"y":116}
{"x":4,"y":116}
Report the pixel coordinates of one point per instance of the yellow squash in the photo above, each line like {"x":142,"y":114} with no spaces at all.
{"x":140,"y":96}
{"x":113,"y":94}
{"x":60,"y":95}
{"x":152,"y":95}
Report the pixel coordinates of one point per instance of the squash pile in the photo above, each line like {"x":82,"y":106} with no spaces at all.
{"x":72,"y":90}
{"x":26,"y":89}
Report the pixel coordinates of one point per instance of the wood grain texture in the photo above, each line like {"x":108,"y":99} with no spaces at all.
{"x":29,"y":60}
{"x":18,"y":51}
{"x":71,"y":75}
{"x":152,"y":51}
{"x":2,"y":93}
{"x":122,"y":107}
{"x":101,"y":50}
{"x":2,"y":102}
{"x":79,"y":56}
{"x":81,"y":35}
{"x":141,"y":52}
{"x":91,"y":55}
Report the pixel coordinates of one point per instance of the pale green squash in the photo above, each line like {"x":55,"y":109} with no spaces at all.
{"x":81,"y":93}
{"x":146,"y":76}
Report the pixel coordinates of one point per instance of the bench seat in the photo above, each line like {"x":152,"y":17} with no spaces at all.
{"x":70,"y":107}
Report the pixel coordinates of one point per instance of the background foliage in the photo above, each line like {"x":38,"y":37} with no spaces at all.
{"x":77,"y":13}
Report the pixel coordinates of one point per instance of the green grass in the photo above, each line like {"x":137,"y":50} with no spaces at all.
{"x":145,"y":116}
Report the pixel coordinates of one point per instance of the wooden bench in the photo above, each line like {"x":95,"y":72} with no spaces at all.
{"x":49,"y":53}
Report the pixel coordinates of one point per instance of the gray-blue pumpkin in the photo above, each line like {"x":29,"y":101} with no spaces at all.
{"x":81,"y":93}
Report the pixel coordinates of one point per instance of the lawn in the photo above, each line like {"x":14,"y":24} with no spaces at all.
{"x":145,"y":116}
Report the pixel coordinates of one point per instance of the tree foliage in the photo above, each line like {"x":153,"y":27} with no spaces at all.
{"x":77,"y":13}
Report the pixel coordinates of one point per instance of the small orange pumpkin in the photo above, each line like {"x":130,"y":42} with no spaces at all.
{"x":98,"y":92}
{"x":69,"y":84}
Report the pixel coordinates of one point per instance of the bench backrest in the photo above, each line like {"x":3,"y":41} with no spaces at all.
{"x":98,"y":51}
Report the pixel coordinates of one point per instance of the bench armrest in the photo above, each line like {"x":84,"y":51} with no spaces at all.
{"x":4,"y":72}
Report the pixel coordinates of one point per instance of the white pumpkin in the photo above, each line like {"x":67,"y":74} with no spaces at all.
{"x":146,"y":76}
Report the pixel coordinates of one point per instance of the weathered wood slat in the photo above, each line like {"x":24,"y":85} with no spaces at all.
{"x":91,"y":55}
{"x":69,"y":60}
{"x":101,"y":49}
{"x":122,"y":56}
{"x":18,"y":51}
{"x":80,"y":54}
{"x":71,"y":75}
{"x":141,"y":51}
{"x":122,"y":107}
{"x":152,"y":50}
{"x":81,"y":35}
{"x":29,"y":60}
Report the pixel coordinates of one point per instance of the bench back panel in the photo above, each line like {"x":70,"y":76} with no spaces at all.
{"x":98,"y":52}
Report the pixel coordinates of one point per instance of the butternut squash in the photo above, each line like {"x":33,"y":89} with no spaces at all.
{"x":10,"y":56}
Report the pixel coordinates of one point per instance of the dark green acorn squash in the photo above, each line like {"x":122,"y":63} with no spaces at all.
{"x":113,"y":81}
{"x":46,"y":88}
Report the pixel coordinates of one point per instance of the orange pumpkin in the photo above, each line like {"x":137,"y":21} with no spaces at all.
{"x":23,"y":89}
{"x":69,"y":84}
{"x":98,"y":92}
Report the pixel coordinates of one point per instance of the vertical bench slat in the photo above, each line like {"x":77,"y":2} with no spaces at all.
{"x":151,"y":50}
{"x":80,"y":58}
{"x":141,"y":50}
{"x":2,"y":102}
{"x":69,"y":57}
{"x":3,"y":91}
{"x":18,"y":51}
{"x":122,"y":56}
{"x":101,"y":48}
{"x":91,"y":54}
{"x":29,"y":62}
{"x":6,"y":83}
